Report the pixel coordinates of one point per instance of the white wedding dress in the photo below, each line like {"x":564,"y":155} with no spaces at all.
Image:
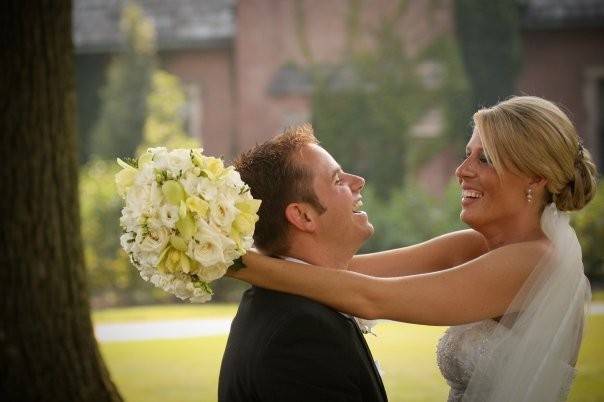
{"x":527,"y":355}
{"x":460,"y":348}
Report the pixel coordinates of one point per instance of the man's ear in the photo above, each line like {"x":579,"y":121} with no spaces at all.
{"x":302,"y":216}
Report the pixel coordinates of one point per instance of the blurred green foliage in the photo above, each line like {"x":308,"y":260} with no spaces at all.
{"x":111,"y":277}
{"x":164,"y":124}
{"x":141,"y":106}
{"x":119,"y":128}
{"x":409,"y":216}
{"x":366,"y":112}
{"x":589,"y":225}
{"x":489,"y":37}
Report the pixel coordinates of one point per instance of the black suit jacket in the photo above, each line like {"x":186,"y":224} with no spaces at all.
{"x":286,"y":348}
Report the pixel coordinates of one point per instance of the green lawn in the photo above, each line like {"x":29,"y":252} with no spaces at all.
{"x":167,"y":312}
{"x":187,"y":370}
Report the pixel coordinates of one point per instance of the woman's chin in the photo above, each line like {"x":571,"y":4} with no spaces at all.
{"x":466,"y":217}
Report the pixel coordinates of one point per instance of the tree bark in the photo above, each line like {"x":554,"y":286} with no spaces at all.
{"x":47,"y":347}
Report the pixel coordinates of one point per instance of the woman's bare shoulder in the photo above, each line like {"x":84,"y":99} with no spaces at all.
{"x":466,"y":245}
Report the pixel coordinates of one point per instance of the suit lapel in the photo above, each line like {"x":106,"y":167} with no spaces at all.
{"x":369,"y":356}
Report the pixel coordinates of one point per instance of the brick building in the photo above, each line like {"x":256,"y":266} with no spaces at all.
{"x":243,"y":62}
{"x":563,"y":61}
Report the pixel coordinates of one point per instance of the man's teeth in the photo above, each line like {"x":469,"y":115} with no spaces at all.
{"x":471,"y":194}
{"x":357,"y":206}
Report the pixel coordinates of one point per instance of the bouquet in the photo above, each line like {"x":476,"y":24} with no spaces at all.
{"x":186,"y":219}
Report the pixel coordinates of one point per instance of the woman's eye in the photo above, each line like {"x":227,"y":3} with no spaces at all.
{"x":485,"y":160}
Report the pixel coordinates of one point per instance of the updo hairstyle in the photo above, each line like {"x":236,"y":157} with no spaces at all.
{"x":533,"y":137}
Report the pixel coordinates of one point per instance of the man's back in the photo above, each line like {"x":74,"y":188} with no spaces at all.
{"x":288,"y":348}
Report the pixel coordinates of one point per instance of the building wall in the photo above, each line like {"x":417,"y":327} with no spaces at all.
{"x":211,"y":70}
{"x":269,"y":36}
{"x":557,"y":65}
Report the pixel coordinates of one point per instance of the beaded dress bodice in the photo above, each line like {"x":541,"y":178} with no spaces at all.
{"x":459,"y":350}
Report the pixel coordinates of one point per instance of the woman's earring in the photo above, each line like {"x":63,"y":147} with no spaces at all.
{"x":529,"y":195}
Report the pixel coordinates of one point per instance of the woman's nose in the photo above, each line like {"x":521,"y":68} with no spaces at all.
{"x":465,"y":169}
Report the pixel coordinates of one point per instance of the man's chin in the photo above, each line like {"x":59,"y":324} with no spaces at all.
{"x":369,"y":231}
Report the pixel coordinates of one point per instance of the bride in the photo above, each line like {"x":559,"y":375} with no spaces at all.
{"x":512,"y":287}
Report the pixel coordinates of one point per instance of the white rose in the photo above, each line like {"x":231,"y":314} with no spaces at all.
{"x":206,"y":248}
{"x":156,"y":239}
{"x":230,"y":250}
{"x":223,"y":212}
{"x":182,"y":289}
{"x":200,"y":296}
{"x":168,"y":214}
{"x":211,"y":273}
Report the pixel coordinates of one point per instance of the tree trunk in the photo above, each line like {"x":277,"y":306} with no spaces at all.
{"x":47,"y":347}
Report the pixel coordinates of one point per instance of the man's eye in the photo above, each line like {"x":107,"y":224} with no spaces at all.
{"x":339,"y":180}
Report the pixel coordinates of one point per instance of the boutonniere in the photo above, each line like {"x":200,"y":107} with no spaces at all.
{"x":366,"y":326}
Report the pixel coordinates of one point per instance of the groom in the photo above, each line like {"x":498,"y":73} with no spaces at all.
{"x":286,"y":348}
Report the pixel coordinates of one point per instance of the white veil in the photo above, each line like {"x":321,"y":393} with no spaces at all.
{"x":533,"y":349}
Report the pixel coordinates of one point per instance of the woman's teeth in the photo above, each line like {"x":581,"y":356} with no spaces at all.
{"x":471,"y":194}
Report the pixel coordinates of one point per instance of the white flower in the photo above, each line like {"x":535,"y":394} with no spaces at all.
{"x":206,"y":247}
{"x":169,"y":215}
{"x":230,"y":250}
{"x":214,"y":198}
{"x":190,"y":181}
{"x":207,"y":189}
{"x":129,"y":220}
{"x":156,"y":239}
{"x":148,"y":259}
{"x":175,"y":162}
{"x":233,"y":179}
{"x":155,"y":195}
{"x":146,"y":175}
{"x":200,"y":296}
{"x":223,"y":212}
{"x":211,"y":273}
{"x":127,"y":241}
{"x":138,"y":199}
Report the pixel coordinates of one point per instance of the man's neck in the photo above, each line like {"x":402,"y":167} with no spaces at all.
{"x":321,"y":257}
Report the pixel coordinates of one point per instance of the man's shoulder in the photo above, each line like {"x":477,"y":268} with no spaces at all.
{"x":261,"y":302}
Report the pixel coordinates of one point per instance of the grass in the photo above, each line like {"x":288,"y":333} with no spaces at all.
{"x":597,"y":296}
{"x":167,"y":312}
{"x":187,"y":369}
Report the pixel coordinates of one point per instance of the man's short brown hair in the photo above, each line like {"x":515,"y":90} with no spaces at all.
{"x":275,"y":174}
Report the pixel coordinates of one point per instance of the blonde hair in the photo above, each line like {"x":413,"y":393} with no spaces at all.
{"x":533,"y":137}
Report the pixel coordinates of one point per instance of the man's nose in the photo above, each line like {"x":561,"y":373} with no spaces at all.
{"x":358,"y":183}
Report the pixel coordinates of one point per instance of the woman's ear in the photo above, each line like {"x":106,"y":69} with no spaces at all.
{"x":301,"y":216}
{"x":538,"y":182}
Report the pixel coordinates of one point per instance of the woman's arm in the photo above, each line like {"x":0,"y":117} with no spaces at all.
{"x":476,"y":290}
{"x":442,"y":252}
